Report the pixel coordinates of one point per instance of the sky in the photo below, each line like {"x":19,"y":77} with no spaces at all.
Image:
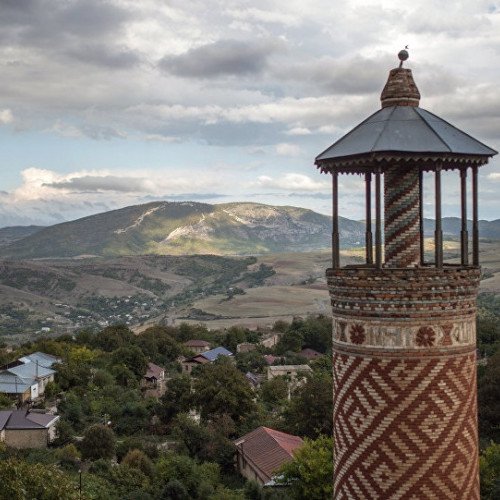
{"x":109,"y":103}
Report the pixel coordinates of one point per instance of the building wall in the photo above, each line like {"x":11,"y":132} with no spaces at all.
{"x":26,"y":438}
{"x":247,"y":470}
{"x":404,"y":362}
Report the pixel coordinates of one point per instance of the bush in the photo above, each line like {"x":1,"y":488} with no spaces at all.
{"x":98,"y":442}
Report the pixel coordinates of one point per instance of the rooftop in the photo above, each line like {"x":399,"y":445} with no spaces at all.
{"x":30,"y":370}
{"x":268,"y":449}
{"x":154,"y":371}
{"x":213,"y":354}
{"x":23,"y":419}
{"x":45,"y":360}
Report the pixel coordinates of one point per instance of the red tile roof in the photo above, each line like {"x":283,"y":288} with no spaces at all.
{"x":267,"y":449}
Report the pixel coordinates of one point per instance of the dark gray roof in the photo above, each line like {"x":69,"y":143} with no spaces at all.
{"x":22,"y":419}
{"x":4,"y":417}
{"x":405,"y":129}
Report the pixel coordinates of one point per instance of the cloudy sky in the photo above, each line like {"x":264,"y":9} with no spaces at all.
{"x":107,"y":103}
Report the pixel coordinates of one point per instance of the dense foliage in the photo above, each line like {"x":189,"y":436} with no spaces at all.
{"x":181,"y":445}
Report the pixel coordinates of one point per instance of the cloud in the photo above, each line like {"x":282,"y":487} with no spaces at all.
{"x":94,"y":183}
{"x":287,"y":149}
{"x":291,"y":182}
{"x":223,"y":57}
{"x":6,"y":116}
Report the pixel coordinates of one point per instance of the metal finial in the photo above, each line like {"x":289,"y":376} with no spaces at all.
{"x":403,"y":56}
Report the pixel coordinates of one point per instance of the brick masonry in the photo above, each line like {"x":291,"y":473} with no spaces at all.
{"x":405,"y":417}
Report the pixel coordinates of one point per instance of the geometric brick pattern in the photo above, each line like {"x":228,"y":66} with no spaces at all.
{"x":401,"y":217}
{"x":405,"y":427}
{"x":411,"y":295}
{"x":419,"y":334}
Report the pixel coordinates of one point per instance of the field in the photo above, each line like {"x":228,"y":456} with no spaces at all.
{"x":62,"y":295}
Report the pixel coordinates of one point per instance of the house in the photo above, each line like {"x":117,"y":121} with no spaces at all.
{"x":35,"y":371}
{"x":45,"y":360}
{"x":246,"y":347}
{"x":197,"y":346}
{"x":271,"y":340}
{"x":204,"y":358}
{"x":154,"y":382}
{"x":25,"y":429}
{"x":22,"y":389}
{"x":293,"y":372}
{"x":260,"y":453}
{"x":310,"y":354}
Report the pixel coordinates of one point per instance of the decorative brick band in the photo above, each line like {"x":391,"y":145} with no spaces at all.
{"x":405,"y":428}
{"x":404,"y":295}
{"x":402,"y":217}
{"x":418,"y":335}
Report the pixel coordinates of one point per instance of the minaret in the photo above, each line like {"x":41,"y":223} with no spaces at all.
{"x":404,"y":330}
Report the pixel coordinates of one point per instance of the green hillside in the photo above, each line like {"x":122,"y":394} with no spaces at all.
{"x":186,"y":228}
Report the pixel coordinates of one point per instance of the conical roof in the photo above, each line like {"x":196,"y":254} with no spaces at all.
{"x":401,"y":130}
{"x":405,"y":129}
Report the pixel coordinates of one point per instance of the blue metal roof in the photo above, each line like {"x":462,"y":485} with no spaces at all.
{"x":12,"y":384}
{"x":45,"y":360}
{"x":405,"y":129}
{"x":213,"y":354}
{"x":30,"y":370}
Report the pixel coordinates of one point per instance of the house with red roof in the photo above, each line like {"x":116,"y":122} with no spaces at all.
{"x":154,"y":381}
{"x":197,"y":346}
{"x":263,"y":451}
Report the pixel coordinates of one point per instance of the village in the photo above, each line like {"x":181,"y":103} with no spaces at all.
{"x":239,"y":401}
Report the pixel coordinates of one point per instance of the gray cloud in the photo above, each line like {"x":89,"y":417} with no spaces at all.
{"x":94,"y":183}
{"x":224,"y":57}
{"x":108,"y":57}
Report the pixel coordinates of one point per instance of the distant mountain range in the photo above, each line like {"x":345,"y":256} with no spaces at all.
{"x":181,"y":228}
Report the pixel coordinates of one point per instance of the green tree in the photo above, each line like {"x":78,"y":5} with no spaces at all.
{"x":98,"y":442}
{"x":137,"y":459}
{"x":132,"y":357}
{"x":310,"y":473}
{"x":220,"y":388}
{"x":489,"y":399}
{"x":5,"y":401}
{"x":177,"y":398}
{"x":310,"y":410}
{"x":274,"y":392}
{"x":22,"y":480}
{"x":489,"y":464}
{"x":113,"y":337}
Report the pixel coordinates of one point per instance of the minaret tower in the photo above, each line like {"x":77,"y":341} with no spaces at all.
{"x":404,"y":330}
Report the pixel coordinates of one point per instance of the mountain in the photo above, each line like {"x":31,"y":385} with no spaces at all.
{"x":10,"y":234}
{"x":453,"y":225}
{"x":181,"y":228}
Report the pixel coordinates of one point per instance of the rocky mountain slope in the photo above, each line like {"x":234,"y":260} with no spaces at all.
{"x":186,"y":228}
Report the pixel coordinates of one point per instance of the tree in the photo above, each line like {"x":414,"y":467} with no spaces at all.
{"x":21,"y":480}
{"x":489,"y":464}
{"x":310,"y":410}
{"x":274,"y":392}
{"x":177,"y":398}
{"x":222,"y":389}
{"x":310,"y":473}
{"x":113,"y":337}
{"x":132,"y":357}
{"x":489,"y":399}
{"x":98,"y":442}
{"x":137,"y":459}
{"x":5,"y":401}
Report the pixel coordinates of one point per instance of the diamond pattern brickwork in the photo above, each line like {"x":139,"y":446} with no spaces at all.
{"x":405,"y":428}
